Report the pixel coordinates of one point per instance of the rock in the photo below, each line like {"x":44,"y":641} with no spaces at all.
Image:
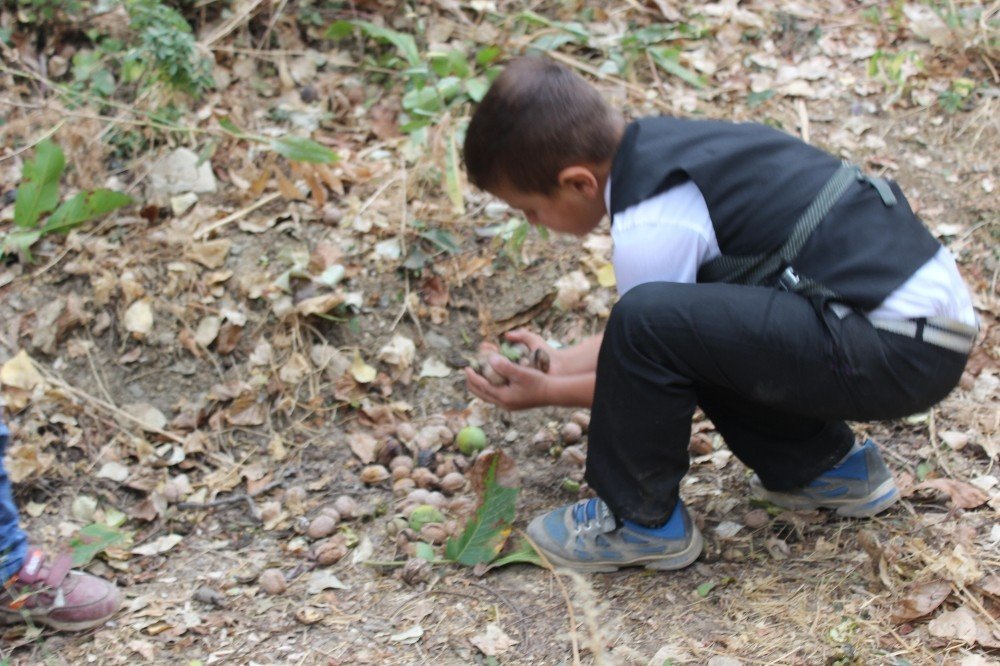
{"x":178,"y":173}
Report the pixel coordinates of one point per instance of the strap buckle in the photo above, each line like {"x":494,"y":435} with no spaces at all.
{"x":789,"y":279}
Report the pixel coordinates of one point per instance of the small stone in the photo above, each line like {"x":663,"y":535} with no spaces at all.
{"x":273,"y":582}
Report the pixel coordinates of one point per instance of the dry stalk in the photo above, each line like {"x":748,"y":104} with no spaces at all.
{"x":565,"y":593}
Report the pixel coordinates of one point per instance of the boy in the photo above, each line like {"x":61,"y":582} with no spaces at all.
{"x":39,"y":591}
{"x":760,"y":280}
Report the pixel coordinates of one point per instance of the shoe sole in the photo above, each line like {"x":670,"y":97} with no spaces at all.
{"x":672,"y":562}
{"x":13,"y":617}
{"x":872,"y":504}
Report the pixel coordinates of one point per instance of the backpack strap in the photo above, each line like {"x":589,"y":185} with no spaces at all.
{"x":758,"y":269}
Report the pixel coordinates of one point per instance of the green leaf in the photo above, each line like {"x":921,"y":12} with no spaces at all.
{"x":339,"y":30}
{"x":523,"y":554}
{"x":441,"y":238}
{"x":705,"y":588}
{"x":227,"y":124}
{"x":301,"y":149}
{"x":91,"y":540}
{"x":486,"y":532}
{"x":476,"y":88}
{"x":667,"y":59}
{"x":38,"y":192}
{"x":404,"y":43}
{"x":424,"y":551}
{"x":84,"y":207}
{"x":19,"y":241}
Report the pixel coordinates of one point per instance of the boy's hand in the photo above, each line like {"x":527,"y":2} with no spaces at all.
{"x":535,"y":342}
{"x":525,"y":387}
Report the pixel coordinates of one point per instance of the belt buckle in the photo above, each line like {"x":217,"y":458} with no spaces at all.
{"x":789,"y":279}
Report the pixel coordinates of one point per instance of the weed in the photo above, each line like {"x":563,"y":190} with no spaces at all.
{"x":166,"y":48}
{"x":37,"y":210}
{"x":434,"y":81}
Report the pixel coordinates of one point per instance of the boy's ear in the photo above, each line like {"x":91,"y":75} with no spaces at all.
{"x":580,"y":179}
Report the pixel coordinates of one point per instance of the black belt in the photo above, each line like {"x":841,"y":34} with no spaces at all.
{"x":938,"y":331}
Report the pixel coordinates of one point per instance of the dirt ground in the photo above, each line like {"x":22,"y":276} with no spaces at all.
{"x":202,"y":387}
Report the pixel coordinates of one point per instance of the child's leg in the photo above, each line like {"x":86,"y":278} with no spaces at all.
{"x":786,"y":450}
{"x":13,"y":540}
{"x":664,"y":342}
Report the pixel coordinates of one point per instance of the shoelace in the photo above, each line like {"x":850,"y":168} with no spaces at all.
{"x":589,"y":511}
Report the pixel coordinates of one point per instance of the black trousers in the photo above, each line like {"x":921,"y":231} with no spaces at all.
{"x":776,"y":375}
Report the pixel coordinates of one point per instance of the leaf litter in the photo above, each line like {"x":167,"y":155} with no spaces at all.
{"x":224,"y":363}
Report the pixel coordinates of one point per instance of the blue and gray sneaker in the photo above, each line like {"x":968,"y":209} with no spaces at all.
{"x":860,"y":485}
{"x":586,"y":537}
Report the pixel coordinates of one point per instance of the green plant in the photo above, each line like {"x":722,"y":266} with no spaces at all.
{"x":895,"y":69}
{"x":37,"y":210}
{"x":166,"y":48}
{"x":958,"y":95}
{"x":434,"y":81}
{"x":48,"y":11}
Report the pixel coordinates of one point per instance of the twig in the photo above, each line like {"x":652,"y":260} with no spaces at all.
{"x":52,"y":379}
{"x":37,"y":141}
{"x":239,"y":497}
{"x":242,"y":15}
{"x":800,"y":107}
{"x":584,"y":67}
{"x":565,"y":593}
{"x":218,"y":224}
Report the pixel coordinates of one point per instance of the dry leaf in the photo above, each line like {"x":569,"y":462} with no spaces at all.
{"x":506,"y":474}
{"x":361,"y":371}
{"x":963,"y":495}
{"x":208,"y":329}
{"x":24,"y":461}
{"x":20,"y":372}
{"x":295,"y":370}
{"x":920,"y":600}
{"x":150,"y":418}
{"x":964,"y":625}
{"x":493,"y":641}
{"x":400,"y":351}
{"x":318,"y":305}
{"x":363,"y":445}
{"x":570,"y":290}
{"x":139,"y":318}
{"x":229,"y":337}
{"x":160,"y":545}
{"x":210,"y":254}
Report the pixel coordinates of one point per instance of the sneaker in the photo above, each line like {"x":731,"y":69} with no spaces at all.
{"x":53,"y":595}
{"x":859,"y":486}
{"x":586,"y":537}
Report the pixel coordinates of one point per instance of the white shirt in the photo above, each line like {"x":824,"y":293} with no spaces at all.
{"x":668,"y":237}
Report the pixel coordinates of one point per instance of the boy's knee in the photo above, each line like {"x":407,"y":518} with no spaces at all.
{"x":644,"y":300}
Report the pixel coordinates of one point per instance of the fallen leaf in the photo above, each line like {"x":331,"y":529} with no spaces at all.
{"x":361,"y":371}
{"x":150,"y":418}
{"x":363,"y":445}
{"x":963,"y":495}
{"x":399,"y":352}
{"x":920,"y":600}
{"x":408,"y":637}
{"x":159,"y":546}
{"x":139,"y":318}
{"x":210,"y":254}
{"x":20,"y":372}
{"x":25,"y":460}
{"x":295,"y":370}
{"x":433,"y":367}
{"x":493,"y":641}
{"x":570,"y":290}
{"x":208,"y":329}
{"x":964,"y":625}
{"x":114,"y":471}
{"x":324,"y":579}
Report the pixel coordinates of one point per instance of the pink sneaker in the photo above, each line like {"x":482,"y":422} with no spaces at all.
{"x":53,"y":595}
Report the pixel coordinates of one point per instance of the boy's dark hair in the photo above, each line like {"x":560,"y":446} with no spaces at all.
{"x":537,"y":118}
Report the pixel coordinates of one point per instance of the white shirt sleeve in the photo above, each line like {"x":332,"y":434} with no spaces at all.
{"x":663,"y":239}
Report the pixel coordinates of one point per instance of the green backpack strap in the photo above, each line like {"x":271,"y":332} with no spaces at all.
{"x":758,"y":268}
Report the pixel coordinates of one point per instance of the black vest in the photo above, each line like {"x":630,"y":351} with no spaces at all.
{"x":757,"y":181}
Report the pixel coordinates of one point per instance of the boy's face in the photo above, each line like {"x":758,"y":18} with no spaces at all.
{"x":569,"y":209}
